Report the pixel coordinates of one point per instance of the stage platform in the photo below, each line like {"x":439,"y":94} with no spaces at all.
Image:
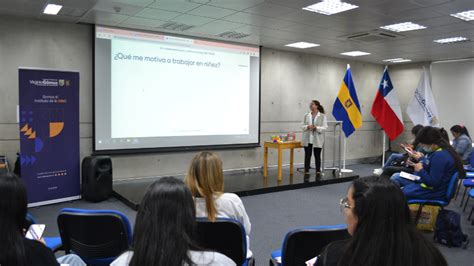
{"x":243,"y":183}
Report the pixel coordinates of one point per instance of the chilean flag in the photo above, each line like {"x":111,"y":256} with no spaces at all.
{"x":386,"y":108}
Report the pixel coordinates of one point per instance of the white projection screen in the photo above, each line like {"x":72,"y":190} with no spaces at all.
{"x":157,"y":92}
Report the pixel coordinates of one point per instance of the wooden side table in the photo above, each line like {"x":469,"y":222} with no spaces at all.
{"x":280,"y":146}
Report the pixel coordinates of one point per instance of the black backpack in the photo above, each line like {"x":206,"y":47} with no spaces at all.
{"x":448,"y":230}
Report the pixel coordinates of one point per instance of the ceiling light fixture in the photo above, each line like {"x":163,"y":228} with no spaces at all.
{"x":405,"y":26}
{"x":396,"y":60}
{"x":465,"y":15}
{"x":330,"y":7}
{"x":451,"y":40}
{"x":302,"y":45}
{"x":52,"y":9}
{"x":355,"y":53}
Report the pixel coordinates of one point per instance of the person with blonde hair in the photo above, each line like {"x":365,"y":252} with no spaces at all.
{"x":205,"y":180}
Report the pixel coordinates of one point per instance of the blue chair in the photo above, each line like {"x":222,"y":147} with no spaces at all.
{"x":305,"y":243}
{"x":442,"y":203}
{"x":53,"y":243}
{"x":226,"y":236}
{"x":471,"y":195}
{"x":468,"y":183}
{"x":97,"y":236}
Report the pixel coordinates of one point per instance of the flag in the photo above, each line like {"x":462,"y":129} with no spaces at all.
{"x":346,"y":107}
{"x":386,"y":108}
{"x":422,"y":108}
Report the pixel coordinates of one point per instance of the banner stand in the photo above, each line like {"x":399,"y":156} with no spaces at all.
{"x":344,"y":169}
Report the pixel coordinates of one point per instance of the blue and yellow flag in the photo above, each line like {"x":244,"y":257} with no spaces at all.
{"x":346,"y":107}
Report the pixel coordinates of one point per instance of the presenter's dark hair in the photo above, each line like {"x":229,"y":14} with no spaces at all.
{"x":320,"y":107}
{"x":385,"y":234}
{"x":13,"y":205}
{"x":460,"y":130}
{"x":165,"y":226}
{"x":432,"y":135}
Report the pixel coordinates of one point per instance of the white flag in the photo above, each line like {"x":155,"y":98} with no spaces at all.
{"x":422,"y":108}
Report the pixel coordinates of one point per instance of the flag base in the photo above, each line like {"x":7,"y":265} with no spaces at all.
{"x":344,"y":170}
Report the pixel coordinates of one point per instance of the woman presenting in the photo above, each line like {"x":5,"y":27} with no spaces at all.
{"x":314,"y":124}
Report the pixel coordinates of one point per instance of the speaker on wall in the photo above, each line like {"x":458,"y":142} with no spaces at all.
{"x":96,"y":178}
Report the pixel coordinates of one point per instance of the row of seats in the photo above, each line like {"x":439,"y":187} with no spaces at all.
{"x":100,"y":236}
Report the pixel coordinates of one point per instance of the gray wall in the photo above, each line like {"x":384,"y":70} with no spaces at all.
{"x":289,"y":81}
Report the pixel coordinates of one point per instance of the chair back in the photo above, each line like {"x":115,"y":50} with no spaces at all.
{"x":97,"y":236}
{"x":452,"y":187}
{"x":305,"y":243}
{"x":226,"y":236}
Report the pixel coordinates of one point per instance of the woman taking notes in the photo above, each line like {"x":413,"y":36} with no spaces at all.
{"x":314,"y":124}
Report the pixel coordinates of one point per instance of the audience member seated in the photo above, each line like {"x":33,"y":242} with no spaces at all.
{"x":205,"y":179}
{"x":462,"y":142}
{"x":165,"y":229}
{"x":396,"y":162}
{"x":378,"y":219}
{"x":434,"y":169}
{"x":16,"y":250}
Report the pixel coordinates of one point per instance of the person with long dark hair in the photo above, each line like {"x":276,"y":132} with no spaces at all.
{"x":382,"y":230}
{"x":165,"y":230}
{"x":435,"y":167}
{"x":313,"y":126}
{"x":462,"y":142}
{"x":16,"y":250}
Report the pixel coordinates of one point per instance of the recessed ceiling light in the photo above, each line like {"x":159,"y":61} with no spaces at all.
{"x":451,"y":40}
{"x":355,"y":53}
{"x":52,"y":9}
{"x":330,"y":7}
{"x":302,"y":45}
{"x":396,"y":60}
{"x":405,"y":26}
{"x":465,"y":15}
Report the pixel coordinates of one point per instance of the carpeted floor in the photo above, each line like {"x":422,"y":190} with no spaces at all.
{"x":274,"y":214}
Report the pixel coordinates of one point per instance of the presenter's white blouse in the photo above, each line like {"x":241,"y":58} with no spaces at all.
{"x":228,"y":205}
{"x":314,"y":137}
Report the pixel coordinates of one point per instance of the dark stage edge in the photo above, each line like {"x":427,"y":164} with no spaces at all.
{"x":243,"y":183}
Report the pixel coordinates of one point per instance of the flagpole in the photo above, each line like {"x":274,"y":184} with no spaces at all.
{"x":344,"y":169}
{"x":383,"y":148}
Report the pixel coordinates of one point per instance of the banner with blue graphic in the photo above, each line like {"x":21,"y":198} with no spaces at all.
{"x":49,"y":135}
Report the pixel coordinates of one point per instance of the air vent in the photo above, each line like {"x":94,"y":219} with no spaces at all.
{"x":233,"y":35}
{"x":175,"y":26}
{"x":372,"y":36}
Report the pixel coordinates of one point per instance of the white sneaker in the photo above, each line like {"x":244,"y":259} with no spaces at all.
{"x":378,"y":171}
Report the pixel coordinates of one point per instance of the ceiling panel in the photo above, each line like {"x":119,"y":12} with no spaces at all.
{"x":118,"y":8}
{"x":146,"y":22}
{"x":153,"y":13}
{"x":216,"y":27}
{"x":140,"y":3}
{"x":211,"y":12}
{"x":256,"y":20}
{"x":235,"y":5}
{"x":269,"y":10}
{"x":103,"y":18}
{"x":274,"y":23}
{"x":182,"y":6}
{"x":192,"y":20}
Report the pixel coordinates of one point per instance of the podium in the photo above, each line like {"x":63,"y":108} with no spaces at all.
{"x":280,"y":146}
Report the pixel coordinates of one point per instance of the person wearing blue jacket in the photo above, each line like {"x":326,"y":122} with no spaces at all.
{"x":462,"y":142}
{"x":434,"y":169}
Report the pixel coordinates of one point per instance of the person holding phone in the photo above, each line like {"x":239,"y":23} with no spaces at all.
{"x":16,"y":249}
{"x":313,"y":126}
{"x":435,"y":167}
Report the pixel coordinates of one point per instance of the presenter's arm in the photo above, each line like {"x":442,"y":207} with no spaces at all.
{"x":324,"y":126}
{"x":304,"y":125}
